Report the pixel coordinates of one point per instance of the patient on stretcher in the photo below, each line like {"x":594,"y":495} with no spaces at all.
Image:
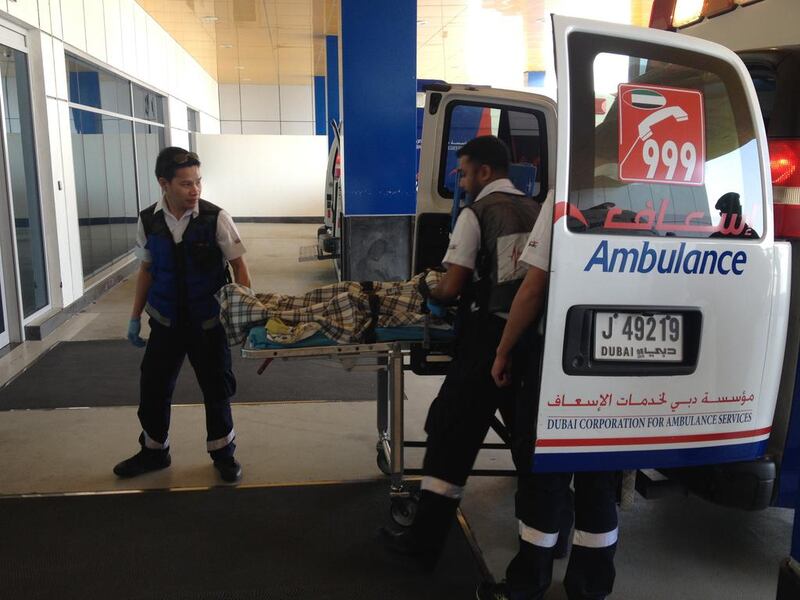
{"x":346,"y":312}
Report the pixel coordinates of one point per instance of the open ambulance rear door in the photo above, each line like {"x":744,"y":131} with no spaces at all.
{"x":454,"y":114}
{"x":668,"y":297}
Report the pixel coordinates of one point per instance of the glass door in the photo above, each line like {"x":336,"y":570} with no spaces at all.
{"x":23,"y":179}
{"x":4,"y":337}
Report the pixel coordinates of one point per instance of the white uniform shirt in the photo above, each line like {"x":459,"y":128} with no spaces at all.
{"x":537,"y":250}
{"x":466,"y":238}
{"x":227,"y":235}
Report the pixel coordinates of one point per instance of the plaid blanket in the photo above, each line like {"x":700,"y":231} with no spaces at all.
{"x":345,"y":312}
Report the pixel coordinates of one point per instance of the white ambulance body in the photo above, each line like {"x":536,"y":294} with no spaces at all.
{"x":668,"y":295}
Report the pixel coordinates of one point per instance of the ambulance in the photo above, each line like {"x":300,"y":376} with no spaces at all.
{"x":665,"y":326}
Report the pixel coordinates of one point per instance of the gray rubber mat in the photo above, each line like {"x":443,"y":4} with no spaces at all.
{"x":106,"y":373}
{"x":307,"y":542}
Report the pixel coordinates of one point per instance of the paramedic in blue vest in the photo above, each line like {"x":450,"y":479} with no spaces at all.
{"x":483,"y":274}
{"x":542,"y":498}
{"x":184,"y":244}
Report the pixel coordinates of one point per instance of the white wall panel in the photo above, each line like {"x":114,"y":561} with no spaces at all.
{"x":95,"y":28}
{"x":55,"y":18}
{"x":261,"y":127}
{"x":73,"y":23}
{"x":48,"y":66}
{"x":74,"y":256}
{"x":127,"y":22}
{"x":230,"y":127}
{"x":60,"y":67}
{"x":297,"y":103}
{"x":177,"y":114}
{"x":229,"y":102}
{"x":4,"y":5}
{"x":114,"y":39}
{"x":156,"y":48}
{"x":179,"y":137}
{"x":297,"y":128}
{"x":288,"y":181}
{"x":60,"y":203}
{"x":208,"y":124}
{"x":211,"y":96}
{"x":25,"y":10}
{"x":142,"y":69}
{"x":260,"y":103}
{"x":45,"y":18}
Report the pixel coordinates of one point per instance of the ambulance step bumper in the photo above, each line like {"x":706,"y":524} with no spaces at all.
{"x":747,"y":485}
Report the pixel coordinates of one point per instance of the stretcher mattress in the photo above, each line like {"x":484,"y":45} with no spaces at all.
{"x":257,"y":338}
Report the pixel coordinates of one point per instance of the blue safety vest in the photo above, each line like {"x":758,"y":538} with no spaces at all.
{"x":186,"y":275}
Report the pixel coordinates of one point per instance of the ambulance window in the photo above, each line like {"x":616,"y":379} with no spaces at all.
{"x":523,"y":131}
{"x":662,"y":143}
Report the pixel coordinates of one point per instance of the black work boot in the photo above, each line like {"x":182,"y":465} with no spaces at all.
{"x":144,"y":461}
{"x":229,"y":469}
{"x":425,"y":539}
{"x":488,"y":590}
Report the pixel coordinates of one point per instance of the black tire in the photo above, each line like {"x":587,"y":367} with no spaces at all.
{"x":404,"y":510}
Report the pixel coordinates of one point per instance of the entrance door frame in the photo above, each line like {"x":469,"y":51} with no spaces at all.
{"x":9,"y":276}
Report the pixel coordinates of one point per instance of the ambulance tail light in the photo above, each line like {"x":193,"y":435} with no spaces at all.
{"x":337,"y":166}
{"x":675,"y":14}
{"x":784,"y":161}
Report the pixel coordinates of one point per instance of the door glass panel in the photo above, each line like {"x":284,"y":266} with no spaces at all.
{"x":663,"y":144}
{"x":193,"y":122}
{"x":147,"y":105}
{"x":522,"y":130}
{"x":24,"y":179}
{"x":92,"y":86}
{"x":102,"y":149}
{"x":149,"y":142}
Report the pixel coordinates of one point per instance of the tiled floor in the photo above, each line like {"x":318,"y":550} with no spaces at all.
{"x":673,"y":548}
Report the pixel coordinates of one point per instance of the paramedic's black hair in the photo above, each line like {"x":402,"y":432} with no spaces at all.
{"x":173,"y":158}
{"x":487,"y":150}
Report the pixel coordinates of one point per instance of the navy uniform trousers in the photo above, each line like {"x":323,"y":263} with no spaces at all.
{"x":210,"y":358}
{"x":461,"y":414}
{"x":541,"y":502}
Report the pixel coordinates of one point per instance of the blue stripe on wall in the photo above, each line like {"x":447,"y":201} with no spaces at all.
{"x":379,"y":89}
{"x":332,"y":82}
{"x":647,"y":459}
{"x":320,"y":120}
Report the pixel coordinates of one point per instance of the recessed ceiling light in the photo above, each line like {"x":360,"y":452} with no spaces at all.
{"x":209,"y":19}
{"x":246,"y":79}
{"x":240,"y":67}
{"x":226,"y":45}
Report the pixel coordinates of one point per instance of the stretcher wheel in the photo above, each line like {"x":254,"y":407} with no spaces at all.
{"x":404,"y":510}
{"x":383,"y":463}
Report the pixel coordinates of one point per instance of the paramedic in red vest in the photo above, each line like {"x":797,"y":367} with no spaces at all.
{"x":185,"y":244}
{"x":482,"y":272}
{"x":542,"y":498}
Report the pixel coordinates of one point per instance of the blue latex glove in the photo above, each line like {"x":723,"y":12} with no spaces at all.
{"x":134,"y":327}
{"x":437,"y":310}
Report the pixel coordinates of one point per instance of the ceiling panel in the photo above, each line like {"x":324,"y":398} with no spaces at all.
{"x":253,"y":41}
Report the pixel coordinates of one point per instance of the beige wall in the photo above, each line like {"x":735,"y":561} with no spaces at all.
{"x":265,"y":175}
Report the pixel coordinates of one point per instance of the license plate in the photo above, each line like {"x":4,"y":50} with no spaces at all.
{"x":638,"y":337}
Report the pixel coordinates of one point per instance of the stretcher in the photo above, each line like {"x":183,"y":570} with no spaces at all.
{"x":423,"y":350}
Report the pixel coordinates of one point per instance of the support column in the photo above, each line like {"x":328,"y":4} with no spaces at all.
{"x":320,"y":112}
{"x":378,"y":109}
{"x":332,"y":82}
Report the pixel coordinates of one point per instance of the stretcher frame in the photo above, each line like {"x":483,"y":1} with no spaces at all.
{"x":388,"y":360}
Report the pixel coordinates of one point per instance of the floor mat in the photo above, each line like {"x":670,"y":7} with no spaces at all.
{"x":317,"y":541}
{"x":106,"y":373}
